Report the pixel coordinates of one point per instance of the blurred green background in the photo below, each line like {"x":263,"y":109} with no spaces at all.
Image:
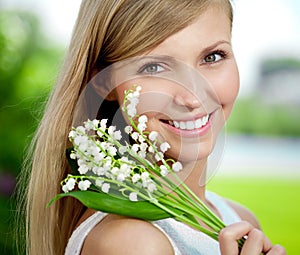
{"x":29,"y":63}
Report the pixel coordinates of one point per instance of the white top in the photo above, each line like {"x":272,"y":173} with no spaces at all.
{"x":184,"y":239}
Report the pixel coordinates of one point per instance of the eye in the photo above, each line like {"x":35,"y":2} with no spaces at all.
{"x":151,"y":68}
{"x":214,"y":57}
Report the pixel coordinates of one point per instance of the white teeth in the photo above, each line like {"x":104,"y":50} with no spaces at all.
{"x":182,"y":125}
{"x":176,"y":124}
{"x":190,"y":125}
{"x":198,"y":123}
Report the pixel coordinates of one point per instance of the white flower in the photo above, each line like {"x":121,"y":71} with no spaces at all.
{"x":104,"y":145}
{"x":99,"y":182}
{"x":135,"y":135}
{"x":142,"y":154}
{"x":88,"y":125}
{"x":117,"y":135}
{"x":72,"y":134}
{"x":143,"y":146}
{"x":83,"y":146}
{"x":159,"y":156}
{"x":136,"y":94}
{"x":129,"y":95}
{"x":65,"y":189}
{"x":125,"y":168}
{"x":81,"y":162}
{"x":133,"y":197}
{"x":135,"y":148}
{"x":91,"y":124}
{"x":151,"y":187}
{"x":134,"y":101}
{"x":83,"y":169}
{"x":96,"y":122}
{"x":112,"y":151}
{"x":93,"y":150}
{"x":135,"y":178}
{"x":164,"y":147}
{"x":115,"y":170}
{"x":122,"y":149}
{"x":163,"y":170}
{"x":143,"y":119}
{"x":121,"y":177}
{"x":151,"y":149}
{"x":99,"y":133}
{"x":98,"y":170}
{"x":153,"y":135}
{"x":142,"y":126}
{"x":80,"y":129}
{"x":111,"y":130}
{"x":99,"y":157}
{"x":131,"y":110}
{"x":125,"y":159}
{"x":107,"y":164}
{"x":141,"y":139}
{"x":105,"y":187}
{"x":138,"y":88}
{"x":144,"y":176}
{"x":70,"y":184}
{"x":128,"y":129}
{"x":80,"y":139}
{"x":73,"y":155}
{"x":177,"y":166}
{"x":84,"y":185}
{"x":103,"y":123}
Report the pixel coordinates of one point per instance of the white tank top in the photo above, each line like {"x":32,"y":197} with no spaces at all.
{"x":184,"y":239}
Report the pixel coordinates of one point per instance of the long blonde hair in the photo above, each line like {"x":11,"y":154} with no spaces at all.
{"x":106,"y":31}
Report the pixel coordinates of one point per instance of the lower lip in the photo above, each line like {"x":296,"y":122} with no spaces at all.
{"x":193,"y":132}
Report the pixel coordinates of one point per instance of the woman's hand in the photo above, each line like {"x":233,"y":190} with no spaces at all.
{"x":256,"y":242}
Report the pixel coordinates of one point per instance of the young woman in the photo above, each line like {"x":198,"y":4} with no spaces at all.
{"x":194,"y":32}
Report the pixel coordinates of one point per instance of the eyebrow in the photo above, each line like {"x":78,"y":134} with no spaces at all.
{"x":215,"y":45}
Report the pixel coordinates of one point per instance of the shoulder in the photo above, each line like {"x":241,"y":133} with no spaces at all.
{"x":122,"y":235}
{"x":244,"y":213}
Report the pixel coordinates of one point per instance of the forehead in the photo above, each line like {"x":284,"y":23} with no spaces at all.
{"x":211,"y":26}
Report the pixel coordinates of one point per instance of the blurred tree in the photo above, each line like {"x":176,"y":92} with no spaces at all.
{"x":28,"y":67}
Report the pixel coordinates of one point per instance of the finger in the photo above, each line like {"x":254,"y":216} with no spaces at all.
{"x":229,"y":235}
{"x":256,"y":243}
{"x":277,"y":250}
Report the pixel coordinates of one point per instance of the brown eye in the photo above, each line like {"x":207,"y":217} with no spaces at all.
{"x":210,"y":58}
{"x":152,"y":68}
{"x":214,"y":57}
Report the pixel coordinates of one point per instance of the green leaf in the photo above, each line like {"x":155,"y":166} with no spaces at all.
{"x":110,"y":204}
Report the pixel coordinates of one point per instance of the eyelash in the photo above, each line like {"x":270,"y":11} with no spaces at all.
{"x":223,"y":54}
{"x":149,"y":64}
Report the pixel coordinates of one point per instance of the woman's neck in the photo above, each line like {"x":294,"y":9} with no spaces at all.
{"x":194,"y":176}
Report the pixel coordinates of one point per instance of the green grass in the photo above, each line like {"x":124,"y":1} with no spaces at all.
{"x":276,"y":203}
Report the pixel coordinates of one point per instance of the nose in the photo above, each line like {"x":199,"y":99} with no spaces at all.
{"x":187,"y":99}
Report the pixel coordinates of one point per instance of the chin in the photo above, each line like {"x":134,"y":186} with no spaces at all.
{"x":192,"y":152}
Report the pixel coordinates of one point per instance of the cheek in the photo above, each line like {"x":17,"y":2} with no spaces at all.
{"x":226,"y":85}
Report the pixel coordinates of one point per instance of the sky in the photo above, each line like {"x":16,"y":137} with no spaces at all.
{"x":262,"y":28}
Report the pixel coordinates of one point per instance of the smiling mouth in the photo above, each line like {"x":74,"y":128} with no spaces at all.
{"x":190,"y":124}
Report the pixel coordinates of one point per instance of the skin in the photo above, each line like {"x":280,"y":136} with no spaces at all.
{"x":121,"y":235}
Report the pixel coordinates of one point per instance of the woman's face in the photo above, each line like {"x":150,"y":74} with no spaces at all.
{"x":189,"y":114}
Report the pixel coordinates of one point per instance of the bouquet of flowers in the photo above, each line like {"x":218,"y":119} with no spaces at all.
{"x":131,"y":178}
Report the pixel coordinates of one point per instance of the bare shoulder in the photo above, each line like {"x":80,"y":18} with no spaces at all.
{"x":244,"y":213}
{"x":121,"y":235}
